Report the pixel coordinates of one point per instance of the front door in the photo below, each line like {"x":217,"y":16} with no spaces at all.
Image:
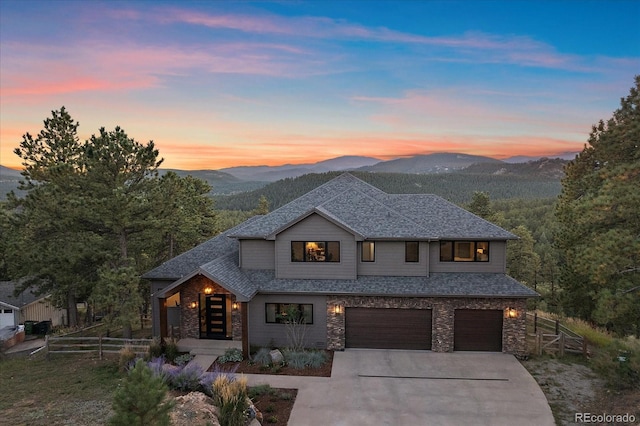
{"x":216,"y":316}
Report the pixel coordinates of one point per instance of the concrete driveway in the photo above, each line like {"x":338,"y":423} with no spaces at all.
{"x":395,"y":387}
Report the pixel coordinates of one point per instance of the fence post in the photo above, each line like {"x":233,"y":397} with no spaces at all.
{"x":557,"y":327}
{"x":584,"y":346}
{"x":561,"y":345}
{"x":46,"y":343}
{"x":100,"y":347}
{"x":535,"y":322}
{"x":539,"y":342}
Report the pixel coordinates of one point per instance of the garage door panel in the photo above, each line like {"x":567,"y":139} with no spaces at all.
{"x":383,"y":328}
{"x":477,"y":330}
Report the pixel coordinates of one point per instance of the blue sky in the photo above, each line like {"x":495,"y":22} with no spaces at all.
{"x":219,"y":84}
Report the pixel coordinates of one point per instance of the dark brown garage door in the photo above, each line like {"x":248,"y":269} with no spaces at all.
{"x":388,"y":328}
{"x":477,"y":330}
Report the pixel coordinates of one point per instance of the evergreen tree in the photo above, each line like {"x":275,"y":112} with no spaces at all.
{"x":88,"y":225}
{"x":599,"y":217}
{"x":141,"y":399}
{"x":43,"y":245}
{"x":523,"y":263}
{"x":481,"y":205}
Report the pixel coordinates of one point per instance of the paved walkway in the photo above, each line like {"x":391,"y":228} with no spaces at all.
{"x":392,"y":387}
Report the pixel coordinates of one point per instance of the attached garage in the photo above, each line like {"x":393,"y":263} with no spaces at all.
{"x":387,"y":328}
{"x":477,"y":330}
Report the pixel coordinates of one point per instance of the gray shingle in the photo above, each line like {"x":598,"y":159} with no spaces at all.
{"x":372,"y":213}
{"x":186,"y":262}
{"x":436,"y":285}
{"x":27,"y":296}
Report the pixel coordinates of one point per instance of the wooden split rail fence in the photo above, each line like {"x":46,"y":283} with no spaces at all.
{"x":554,"y":338}
{"x":99,"y":345}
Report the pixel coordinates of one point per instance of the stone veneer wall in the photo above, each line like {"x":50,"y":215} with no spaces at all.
{"x":190,"y":318}
{"x":513,"y":329}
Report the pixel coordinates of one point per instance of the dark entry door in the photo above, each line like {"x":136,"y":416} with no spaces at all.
{"x":216,"y":316}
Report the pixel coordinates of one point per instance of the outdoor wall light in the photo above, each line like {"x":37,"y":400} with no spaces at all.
{"x":234,"y":306}
{"x":208,"y":290}
{"x":193,"y":305}
{"x":338,"y":309}
{"x":512,"y":313}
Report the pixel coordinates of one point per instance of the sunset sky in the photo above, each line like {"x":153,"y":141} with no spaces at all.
{"x":220,"y":84}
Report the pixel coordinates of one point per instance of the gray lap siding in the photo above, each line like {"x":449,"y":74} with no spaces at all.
{"x":315,"y":228}
{"x":263,"y":334}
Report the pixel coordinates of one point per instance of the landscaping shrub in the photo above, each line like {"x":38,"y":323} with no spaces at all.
{"x":171,"y":350}
{"x":155,"y":348}
{"x":262,"y":357}
{"x":317,"y":359}
{"x":232,"y":399}
{"x":183,"y":359}
{"x":259,"y":390}
{"x":297,"y":360}
{"x":231,"y":355}
{"x":186,"y":377}
{"x":208,"y":378}
{"x":140,"y":401}
{"x":301,"y":359}
{"x":126,"y":356}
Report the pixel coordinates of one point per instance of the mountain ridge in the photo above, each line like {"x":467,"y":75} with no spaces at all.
{"x":250,"y":178}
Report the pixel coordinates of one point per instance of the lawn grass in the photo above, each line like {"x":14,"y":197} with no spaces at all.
{"x":64,"y":390}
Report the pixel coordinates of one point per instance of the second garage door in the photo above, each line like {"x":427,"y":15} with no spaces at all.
{"x":382,"y":328}
{"x":477,"y":330}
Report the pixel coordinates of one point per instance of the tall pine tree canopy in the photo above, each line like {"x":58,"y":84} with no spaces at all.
{"x":95,"y":216}
{"x":599,"y":215}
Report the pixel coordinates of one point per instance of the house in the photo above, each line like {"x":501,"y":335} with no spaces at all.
{"x":27,"y":306}
{"x":365,"y":269}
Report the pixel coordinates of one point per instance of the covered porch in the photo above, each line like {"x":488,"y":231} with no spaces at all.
{"x":204,"y":316}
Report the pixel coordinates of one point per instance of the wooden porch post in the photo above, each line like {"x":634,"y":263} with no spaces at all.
{"x":245,"y":330}
{"x":162,"y":304}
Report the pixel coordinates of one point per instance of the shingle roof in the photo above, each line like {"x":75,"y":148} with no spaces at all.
{"x":436,"y":285}
{"x":225,"y":271}
{"x":372,"y":213}
{"x":369,"y":213}
{"x":28,"y":296}
{"x":186,"y":262}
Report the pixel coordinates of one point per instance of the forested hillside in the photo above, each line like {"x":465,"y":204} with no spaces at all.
{"x":455,"y":187}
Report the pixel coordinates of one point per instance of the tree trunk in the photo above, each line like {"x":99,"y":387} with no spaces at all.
{"x":72,"y":309}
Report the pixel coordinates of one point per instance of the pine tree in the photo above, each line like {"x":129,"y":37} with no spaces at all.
{"x":141,"y":399}
{"x":599,"y":216}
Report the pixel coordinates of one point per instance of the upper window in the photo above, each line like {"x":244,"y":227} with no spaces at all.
{"x":411,"y":253}
{"x":315,"y":251}
{"x":279,"y":313}
{"x":368,"y":251}
{"x":464,"y":251}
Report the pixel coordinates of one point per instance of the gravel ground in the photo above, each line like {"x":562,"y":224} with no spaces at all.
{"x":571,"y":387}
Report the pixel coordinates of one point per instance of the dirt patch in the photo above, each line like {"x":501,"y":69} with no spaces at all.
{"x":572,"y":387}
{"x":247,"y":367}
{"x":275,"y":405}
